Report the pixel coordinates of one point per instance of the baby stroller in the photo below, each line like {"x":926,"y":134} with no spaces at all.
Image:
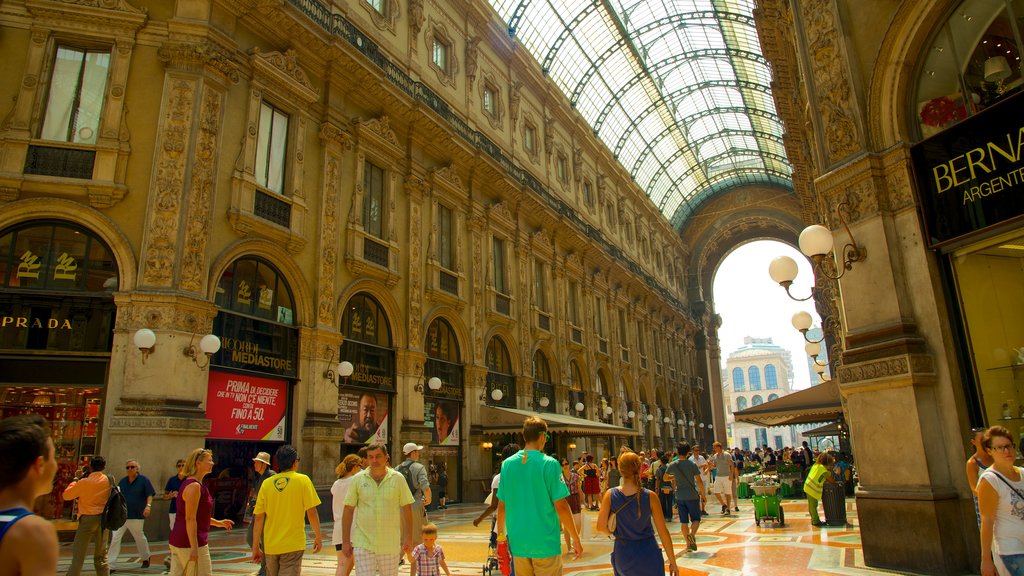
{"x":490,"y":567}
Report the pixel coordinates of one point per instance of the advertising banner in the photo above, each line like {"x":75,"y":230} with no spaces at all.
{"x":245,"y":407}
{"x":364,"y":414}
{"x":443,"y":418}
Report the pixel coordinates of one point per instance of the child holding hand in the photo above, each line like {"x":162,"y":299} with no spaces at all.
{"x":428,"y":558}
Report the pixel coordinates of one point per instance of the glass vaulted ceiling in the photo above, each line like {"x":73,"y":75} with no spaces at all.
{"x":677,"y":89}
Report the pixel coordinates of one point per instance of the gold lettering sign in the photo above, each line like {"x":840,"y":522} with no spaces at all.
{"x":244,"y":295}
{"x":39,"y":323}
{"x":357,"y":324}
{"x":371,"y":327}
{"x":65,"y":268}
{"x":989,"y":161}
{"x":29,"y":266}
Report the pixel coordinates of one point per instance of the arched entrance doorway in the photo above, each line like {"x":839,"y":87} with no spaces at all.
{"x":365,"y":402}
{"x":443,"y":408}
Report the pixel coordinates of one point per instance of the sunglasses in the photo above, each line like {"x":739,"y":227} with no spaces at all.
{"x":179,"y":465}
{"x":130,"y":467}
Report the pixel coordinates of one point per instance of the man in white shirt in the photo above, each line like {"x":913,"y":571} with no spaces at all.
{"x":705,"y":476}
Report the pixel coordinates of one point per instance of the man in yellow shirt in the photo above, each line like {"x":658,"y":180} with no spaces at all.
{"x":279,"y":517}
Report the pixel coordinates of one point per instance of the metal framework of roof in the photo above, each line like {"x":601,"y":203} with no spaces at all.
{"x":677,"y":89}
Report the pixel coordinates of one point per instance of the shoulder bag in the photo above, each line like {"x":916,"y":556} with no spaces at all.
{"x":612,"y":523}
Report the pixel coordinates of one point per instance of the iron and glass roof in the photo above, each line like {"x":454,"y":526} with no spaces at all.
{"x":677,"y":89}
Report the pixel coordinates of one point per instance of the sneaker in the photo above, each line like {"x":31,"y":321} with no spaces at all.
{"x":725,"y":509}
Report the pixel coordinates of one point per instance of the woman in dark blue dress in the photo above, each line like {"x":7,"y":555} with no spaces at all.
{"x":636,"y":552}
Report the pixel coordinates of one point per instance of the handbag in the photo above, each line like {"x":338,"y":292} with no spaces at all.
{"x":612,"y":522}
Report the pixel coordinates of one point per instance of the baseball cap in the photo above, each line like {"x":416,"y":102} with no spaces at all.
{"x":410,"y":447}
{"x":262,"y":457}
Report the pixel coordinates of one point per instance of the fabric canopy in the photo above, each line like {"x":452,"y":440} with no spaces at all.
{"x":819,"y":403}
{"x":497,"y":420}
{"x":830,"y":429}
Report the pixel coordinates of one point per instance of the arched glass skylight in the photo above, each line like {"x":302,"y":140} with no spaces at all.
{"x":677,"y":89}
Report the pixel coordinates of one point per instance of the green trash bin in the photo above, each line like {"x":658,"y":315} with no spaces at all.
{"x":743,"y":490}
{"x":785,"y":490}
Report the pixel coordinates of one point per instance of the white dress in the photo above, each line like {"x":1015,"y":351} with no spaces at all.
{"x":1008,"y":530}
{"x":338,"y":491}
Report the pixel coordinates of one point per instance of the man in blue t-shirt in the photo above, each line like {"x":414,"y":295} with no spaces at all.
{"x":138,"y":494}
{"x":690,"y":491}
{"x":532,"y":503}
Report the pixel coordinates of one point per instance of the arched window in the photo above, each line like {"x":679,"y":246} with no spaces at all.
{"x":756,"y":400}
{"x":738,"y":384}
{"x":741,"y":402}
{"x":499,"y":375}
{"x":441,"y":342}
{"x":543,"y":389}
{"x":364,"y":321}
{"x":771,"y":380}
{"x":773,"y":397}
{"x":541,"y":370}
{"x":55,"y":256}
{"x":253,"y":287}
{"x":754,"y":375}
{"x":576,"y":382}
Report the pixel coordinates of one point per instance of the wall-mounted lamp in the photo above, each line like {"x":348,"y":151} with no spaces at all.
{"x":802,"y":321}
{"x":680,"y":422}
{"x":544,"y":401}
{"x":579,"y":406}
{"x":434,"y":384}
{"x":702,"y":425}
{"x":344,"y":370}
{"x":496,"y":395}
{"x":144,"y":340}
{"x":816,"y":243}
{"x":608,"y":410}
{"x":650,"y":417}
{"x":710,"y":426}
{"x":208,"y":345}
{"x":666,"y":420}
{"x":571,"y":446}
{"x":486,"y":445}
{"x":630,"y":414}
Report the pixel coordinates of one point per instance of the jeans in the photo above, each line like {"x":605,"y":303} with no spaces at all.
{"x":89,"y":530}
{"x":135,"y":527}
{"x":667,"y":500}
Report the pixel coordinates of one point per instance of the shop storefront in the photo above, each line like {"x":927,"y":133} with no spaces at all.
{"x":56,"y":330}
{"x":443,"y":407}
{"x":366,"y":400}
{"x":249,"y":392}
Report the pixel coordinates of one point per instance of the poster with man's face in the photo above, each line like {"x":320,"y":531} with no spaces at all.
{"x":443,"y":418}
{"x":364,"y":416}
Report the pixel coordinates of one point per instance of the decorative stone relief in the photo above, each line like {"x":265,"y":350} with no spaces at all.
{"x":472,"y":53}
{"x":415,"y":19}
{"x":415,"y":186}
{"x":196,"y":56}
{"x":204,"y":169}
{"x":381,"y":127}
{"x":285,"y":66}
{"x":514,"y":98}
{"x":832,"y":85}
{"x":160,"y":246}
{"x":385,"y":18}
{"x":328,"y":242}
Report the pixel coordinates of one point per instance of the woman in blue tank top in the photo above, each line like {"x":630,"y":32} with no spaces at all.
{"x":636,"y":551}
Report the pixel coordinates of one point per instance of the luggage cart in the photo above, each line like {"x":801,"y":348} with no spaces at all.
{"x":768,"y":504}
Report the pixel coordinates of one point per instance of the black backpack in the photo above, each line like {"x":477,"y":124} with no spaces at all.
{"x":115,"y":513}
{"x":407,"y":472}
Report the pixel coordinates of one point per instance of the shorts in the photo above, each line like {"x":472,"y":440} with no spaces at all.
{"x":722,"y":485}
{"x":689,"y":510}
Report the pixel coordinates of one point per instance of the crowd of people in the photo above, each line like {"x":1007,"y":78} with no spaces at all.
{"x":536,"y":501}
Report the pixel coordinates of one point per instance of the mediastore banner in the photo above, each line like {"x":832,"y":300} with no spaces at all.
{"x":245,"y":407}
{"x":971,"y":176}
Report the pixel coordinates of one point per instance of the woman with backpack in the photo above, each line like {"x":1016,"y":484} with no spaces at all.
{"x":636,"y":551}
{"x":189,"y":537}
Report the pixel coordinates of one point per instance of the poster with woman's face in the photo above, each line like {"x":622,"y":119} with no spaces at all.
{"x":443,"y":418}
{"x":364,"y":416}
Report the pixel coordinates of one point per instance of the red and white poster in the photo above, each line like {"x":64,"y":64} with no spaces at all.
{"x":244,"y":407}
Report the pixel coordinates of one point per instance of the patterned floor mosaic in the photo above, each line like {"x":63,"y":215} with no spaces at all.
{"x":727,"y":545}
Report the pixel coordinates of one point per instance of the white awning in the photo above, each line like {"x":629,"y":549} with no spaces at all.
{"x":499,"y":420}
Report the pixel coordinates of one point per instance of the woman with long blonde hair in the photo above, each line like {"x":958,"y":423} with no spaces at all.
{"x":636,"y":551}
{"x":348,"y":468}
{"x":189,"y":536}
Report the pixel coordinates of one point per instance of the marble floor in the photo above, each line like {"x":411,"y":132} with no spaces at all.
{"x":727,"y":545}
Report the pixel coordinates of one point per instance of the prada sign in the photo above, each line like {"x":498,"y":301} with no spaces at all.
{"x":971,"y":176}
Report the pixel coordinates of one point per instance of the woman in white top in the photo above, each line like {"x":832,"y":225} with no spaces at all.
{"x":1001,"y":503}
{"x":348,"y":468}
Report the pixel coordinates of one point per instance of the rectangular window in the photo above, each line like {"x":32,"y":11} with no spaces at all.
{"x":599,"y":316}
{"x":561,"y":169}
{"x":588,"y":193}
{"x":271,"y":148}
{"x":373,"y":200}
{"x":529,"y":138}
{"x":445,"y":250}
{"x":540,"y":285}
{"x":77,"y":91}
{"x":574,"y":303}
{"x":489,"y":106}
{"x":609,"y":215}
{"x":498,"y":257}
{"x":378,"y":5}
{"x":440,"y":54}
{"x":622,"y":328}
{"x":640,"y":339}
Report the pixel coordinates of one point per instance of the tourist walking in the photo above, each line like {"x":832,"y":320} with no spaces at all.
{"x":369,"y":532}
{"x":737,"y":461}
{"x":532,"y":503}
{"x":138,"y":493}
{"x":980,"y":461}
{"x":262,"y":469}
{"x":283,"y":505}
{"x":614,"y":476}
{"x":428,"y":557}
{"x":416,"y":477}
{"x":92,"y":493}
{"x":348,"y":468}
{"x":1000,"y":493}
{"x":813,"y":485}
{"x":171,"y":493}
{"x":442,"y":486}
{"x":507,"y":452}
{"x":28,"y":543}
{"x":725,"y":473}
{"x":591,"y":483}
{"x":689,"y":495}
{"x":705,"y":476}
{"x":637,"y":514}
{"x":663,"y":487}
{"x":189,"y":539}
{"x":572,"y":481}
